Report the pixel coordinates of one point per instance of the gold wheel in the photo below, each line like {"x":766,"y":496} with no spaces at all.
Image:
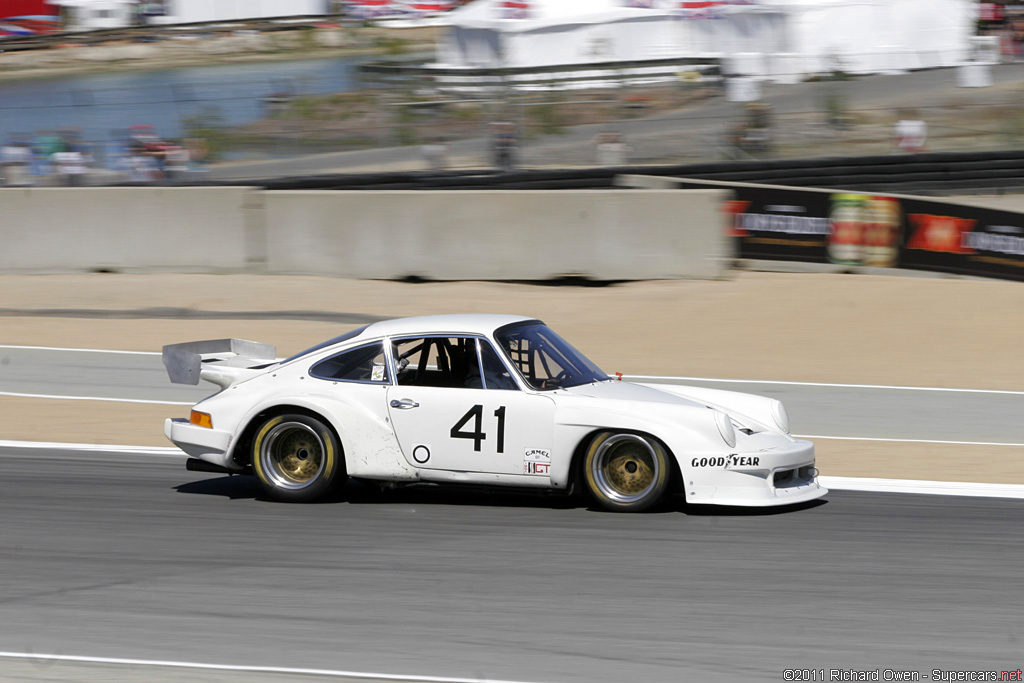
{"x":292,"y":455}
{"x":297,"y":458}
{"x":626,"y":472}
{"x":631,"y":470}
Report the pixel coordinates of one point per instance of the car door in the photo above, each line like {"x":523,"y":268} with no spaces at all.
{"x":456,"y":406}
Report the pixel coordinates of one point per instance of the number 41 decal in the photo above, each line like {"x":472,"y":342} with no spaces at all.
{"x":476,"y":413}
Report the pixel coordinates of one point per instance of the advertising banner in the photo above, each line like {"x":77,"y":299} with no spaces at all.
{"x":869,"y":229}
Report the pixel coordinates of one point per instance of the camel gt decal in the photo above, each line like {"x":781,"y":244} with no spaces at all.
{"x":537,"y":461}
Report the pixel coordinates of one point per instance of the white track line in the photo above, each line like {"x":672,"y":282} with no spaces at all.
{"x":59,"y":348}
{"x":940,"y":488}
{"x":824,"y":384}
{"x":99,"y":398}
{"x":871,"y":438}
{"x":250,"y":669}
{"x":95,"y":447}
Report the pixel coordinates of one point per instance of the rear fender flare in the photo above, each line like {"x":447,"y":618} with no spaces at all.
{"x":368,"y":442}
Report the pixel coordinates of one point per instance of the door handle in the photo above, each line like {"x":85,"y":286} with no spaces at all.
{"x":405,"y":404}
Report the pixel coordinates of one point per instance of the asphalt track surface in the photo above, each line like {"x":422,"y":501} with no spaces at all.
{"x":127,"y":556}
{"x":814,"y":410}
{"x":98,"y":375}
{"x":132,"y":556}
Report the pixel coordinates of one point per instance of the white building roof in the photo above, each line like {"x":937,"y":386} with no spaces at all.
{"x":496,"y":14}
{"x":87,"y":3}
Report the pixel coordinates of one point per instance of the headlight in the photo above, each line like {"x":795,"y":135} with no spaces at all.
{"x":725,"y":428}
{"x":780,"y":415}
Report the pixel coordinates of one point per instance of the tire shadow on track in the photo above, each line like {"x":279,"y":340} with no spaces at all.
{"x":359,"y":493}
{"x":234,"y":487}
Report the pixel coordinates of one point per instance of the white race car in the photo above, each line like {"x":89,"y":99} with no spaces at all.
{"x":478,"y":399}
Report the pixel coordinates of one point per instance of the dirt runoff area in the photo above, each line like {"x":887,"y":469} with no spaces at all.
{"x":860,"y":329}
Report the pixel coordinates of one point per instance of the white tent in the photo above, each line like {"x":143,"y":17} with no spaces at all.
{"x":493,"y":33}
{"x":881,"y":35}
{"x":756,"y":37}
{"x":97,"y":14}
{"x":82,"y":15}
{"x":187,"y":11}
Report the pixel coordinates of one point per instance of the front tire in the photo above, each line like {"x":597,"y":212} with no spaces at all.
{"x":297,"y":458}
{"x":626,"y":472}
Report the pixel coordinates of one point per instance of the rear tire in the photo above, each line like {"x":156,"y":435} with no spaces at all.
{"x":297,"y":458}
{"x":626,"y":472}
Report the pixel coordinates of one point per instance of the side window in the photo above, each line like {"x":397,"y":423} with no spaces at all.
{"x":437,"y":362}
{"x":364,"y":364}
{"x":495,"y":372}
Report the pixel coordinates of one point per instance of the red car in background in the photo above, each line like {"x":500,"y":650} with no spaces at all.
{"x":28,"y":17}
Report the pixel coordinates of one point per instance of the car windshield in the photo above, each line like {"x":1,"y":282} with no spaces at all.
{"x":545,"y":360}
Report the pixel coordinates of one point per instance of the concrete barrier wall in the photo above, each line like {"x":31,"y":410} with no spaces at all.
{"x":485,"y":235}
{"x":124,"y":229}
{"x":498,"y":235}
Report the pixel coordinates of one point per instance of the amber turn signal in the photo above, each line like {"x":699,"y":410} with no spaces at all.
{"x":201,"y":419}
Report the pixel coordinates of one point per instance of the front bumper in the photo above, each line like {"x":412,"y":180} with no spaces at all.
{"x":204,"y":443}
{"x":782,"y":474}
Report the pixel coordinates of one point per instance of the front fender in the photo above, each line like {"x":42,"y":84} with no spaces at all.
{"x":685,"y":431}
{"x":752,"y":409}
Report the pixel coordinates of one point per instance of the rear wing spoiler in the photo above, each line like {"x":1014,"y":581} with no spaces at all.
{"x":184,"y":362}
